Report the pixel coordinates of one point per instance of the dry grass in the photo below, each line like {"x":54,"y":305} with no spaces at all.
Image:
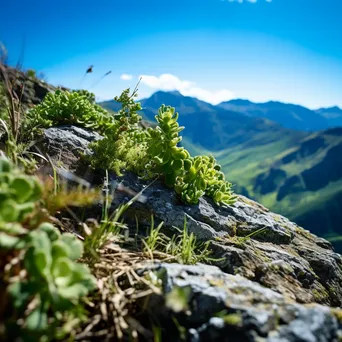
{"x":114,"y":308}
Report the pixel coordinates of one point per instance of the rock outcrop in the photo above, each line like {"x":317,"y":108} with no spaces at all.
{"x":272,"y":280}
{"x":223,"y":307}
{"x":30,"y":90}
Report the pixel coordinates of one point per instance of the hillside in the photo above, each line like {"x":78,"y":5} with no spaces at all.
{"x":213,"y":128}
{"x":293,"y":172}
{"x":304,"y":182}
{"x":288,"y":115}
{"x":215,"y":266}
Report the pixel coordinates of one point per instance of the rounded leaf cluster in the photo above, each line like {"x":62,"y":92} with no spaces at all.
{"x":167,"y":157}
{"x":50,"y":261}
{"x":18,"y":193}
{"x":65,"y":108}
{"x":192,"y":178}
{"x":47,"y":278}
{"x":204,"y":178}
{"x":54,"y":279}
{"x":87,"y":94}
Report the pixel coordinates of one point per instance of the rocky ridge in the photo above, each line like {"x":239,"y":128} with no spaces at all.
{"x":272,"y":280}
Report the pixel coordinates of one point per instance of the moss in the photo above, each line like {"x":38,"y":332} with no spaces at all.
{"x":232,"y":228}
{"x":303,"y":232}
{"x":321,"y":295}
{"x":233,"y":319}
{"x":262,"y":255}
{"x":338,"y":314}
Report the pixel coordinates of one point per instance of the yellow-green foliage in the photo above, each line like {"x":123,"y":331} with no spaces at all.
{"x":183,"y":246}
{"x":165,"y":156}
{"x":191,"y":177}
{"x":64,"y":108}
{"x":127,"y":146}
{"x":123,"y":147}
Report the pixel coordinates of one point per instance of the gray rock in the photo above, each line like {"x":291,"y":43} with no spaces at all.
{"x":65,"y":144}
{"x":70,"y":138}
{"x":247,"y":238}
{"x":223,"y":307}
{"x":308,"y":270}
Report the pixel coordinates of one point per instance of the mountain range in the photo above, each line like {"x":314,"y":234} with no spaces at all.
{"x":285,"y":156}
{"x":288,"y":115}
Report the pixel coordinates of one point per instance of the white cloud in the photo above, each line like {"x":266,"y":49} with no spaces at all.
{"x":170,"y":82}
{"x":126,"y":77}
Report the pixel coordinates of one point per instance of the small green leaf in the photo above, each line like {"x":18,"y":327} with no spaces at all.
{"x":37,"y":320}
{"x":75,"y":246}
{"x":22,"y":187}
{"x":52,"y":232}
{"x":9,"y":211}
{"x":8,"y":241}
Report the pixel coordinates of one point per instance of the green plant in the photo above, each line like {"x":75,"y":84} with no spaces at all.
{"x":127,"y":146}
{"x":155,"y":240}
{"x":183,"y":247}
{"x":64,"y":108}
{"x":18,"y":193}
{"x":187,"y":249}
{"x":31,"y":73}
{"x":54,"y":283}
{"x":124,"y":147}
{"x":191,"y":177}
{"x":165,"y":156}
{"x":87,"y":94}
{"x":41,"y":277}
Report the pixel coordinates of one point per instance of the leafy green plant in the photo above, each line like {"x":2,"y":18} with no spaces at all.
{"x":124,"y":147}
{"x":31,"y":73}
{"x":41,"y":277}
{"x":87,"y":94}
{"x":165,"y":156}
{"x":191,"y":177}
{"x":63,"y":108}
{"x":18,"y":193}
{"x":54,"y":283}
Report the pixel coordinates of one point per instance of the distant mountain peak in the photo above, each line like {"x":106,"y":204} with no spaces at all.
{"x":164,"y":92}
{"x":175,"y":92}
{"x":239,"y":102}
{"x":331,"y":109}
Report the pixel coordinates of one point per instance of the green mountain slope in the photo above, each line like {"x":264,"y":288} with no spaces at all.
{"x":295,"y":173}
{"x":303,"y":182}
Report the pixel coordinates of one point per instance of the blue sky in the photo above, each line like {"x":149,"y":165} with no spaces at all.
{"x":287,"y":50}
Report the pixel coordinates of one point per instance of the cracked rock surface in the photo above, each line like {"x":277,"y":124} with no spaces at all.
{"x":276,"y":281}
{"x":223,"y":307}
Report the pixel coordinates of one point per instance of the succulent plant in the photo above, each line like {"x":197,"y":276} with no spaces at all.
{"x":18,"y":193}
{"x":49,"y":281}
{"x":55,"y":282}
{"x":166,"y":157}
{"x":191,"y":177}
{"x":63,"y":107}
